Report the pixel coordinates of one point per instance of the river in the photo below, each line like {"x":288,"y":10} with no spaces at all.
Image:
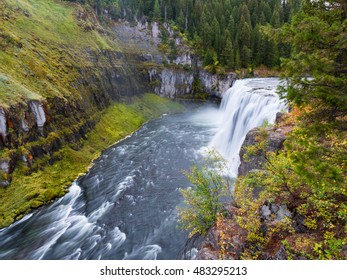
{"x":125,"y":206}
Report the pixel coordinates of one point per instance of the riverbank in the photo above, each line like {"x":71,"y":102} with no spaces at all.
{"x":52,"y":181}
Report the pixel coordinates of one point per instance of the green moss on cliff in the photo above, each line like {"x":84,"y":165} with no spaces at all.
{"x":27,"y":192}
{"x":43,"y":43}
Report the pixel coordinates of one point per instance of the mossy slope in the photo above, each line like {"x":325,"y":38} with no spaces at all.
{"x":43,"y":43}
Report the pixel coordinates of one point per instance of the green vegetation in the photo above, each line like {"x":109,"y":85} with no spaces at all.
{"x":203,"y":199}
{"x":58,"y":53}
{"x":52,"y":49}
{"x":42,"y":46}
{"x":226,"y":33}
{"x":309,"y":175}
{"x":51,"y":181}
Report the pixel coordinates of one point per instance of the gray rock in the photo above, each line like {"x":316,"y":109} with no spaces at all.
{"x":174,"y":83}
{"x":206,"y":254}
{"x":275,"y":142}
{"x":5,"y":165}
{"x":265,"y":212}
{"x":282,"y":213}
{"x":184,"y":59}
{"x":3,"y":125}
{"x":215,"y":84}
{"x":274,"y":212}
{"x":281,"y":254}
{"x":39,"y":113}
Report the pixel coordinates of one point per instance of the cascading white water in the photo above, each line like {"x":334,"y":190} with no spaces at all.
{"x":246,"y":105}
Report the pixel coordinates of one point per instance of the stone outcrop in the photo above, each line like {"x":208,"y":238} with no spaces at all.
{"x":181,"y":74}
{"x":270,"y":214}
{"x":214,"y":84}
{"x":210,"y":248}
{"x":231,"y":245}
{"x":274,"y":140}
{"x":173,"y":83}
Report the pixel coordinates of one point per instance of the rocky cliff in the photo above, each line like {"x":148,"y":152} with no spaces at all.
{"x":173,"y":72}
{"x":275,"y":138}
{"x":227,"y":239}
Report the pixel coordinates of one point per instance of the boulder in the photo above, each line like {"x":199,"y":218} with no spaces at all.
{"x":275,"y":140}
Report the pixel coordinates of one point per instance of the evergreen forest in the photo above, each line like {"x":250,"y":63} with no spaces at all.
{"x":223,"y":32}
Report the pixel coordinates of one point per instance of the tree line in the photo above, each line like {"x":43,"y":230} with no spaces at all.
{"x":223,"y":32}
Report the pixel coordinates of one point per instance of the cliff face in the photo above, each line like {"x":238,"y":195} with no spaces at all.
{"x":227,"y":239}
{"x":275,"y":139}
{"x":33,"y":129}
{"x":174,"y":83}
{"x":171,"y":73}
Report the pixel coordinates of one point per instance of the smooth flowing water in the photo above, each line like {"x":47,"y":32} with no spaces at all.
{"x":125,"y":206}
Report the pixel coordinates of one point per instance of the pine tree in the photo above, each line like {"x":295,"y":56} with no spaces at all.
{"x":318,"y":36}
{"x":238,"y":59}
{"x":216,"y":35}
{"x":208,"y":58}
{"x":181,"y":20}
{"x":228,"y":54}
{"x":275,"y":19}
{"x":156,"y":10}
{"x":231,"y":28}
{"x":245,"y":42}
{"x":245,"y":14}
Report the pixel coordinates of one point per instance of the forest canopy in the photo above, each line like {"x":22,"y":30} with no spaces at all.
{"x":225,"y":32}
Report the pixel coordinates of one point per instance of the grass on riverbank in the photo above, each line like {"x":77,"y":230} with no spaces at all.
{"x":119,"y":120}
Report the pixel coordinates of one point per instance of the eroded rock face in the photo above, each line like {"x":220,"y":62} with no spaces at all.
{"x":33,"y":129}
{"x":184,"y":59}
{"x":274,"y":212}
{"x":214,"y":84}
{"x":3,"y":125}
{"x":40,"y":116}
{"x":175,"y":77}
{"x":275,"y":140}
{"x":6,"y":168}
{"x":210,"y":248}
{"x":174,"y":83}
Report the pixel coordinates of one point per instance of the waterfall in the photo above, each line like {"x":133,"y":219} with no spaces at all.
{"x":246,"y":105}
